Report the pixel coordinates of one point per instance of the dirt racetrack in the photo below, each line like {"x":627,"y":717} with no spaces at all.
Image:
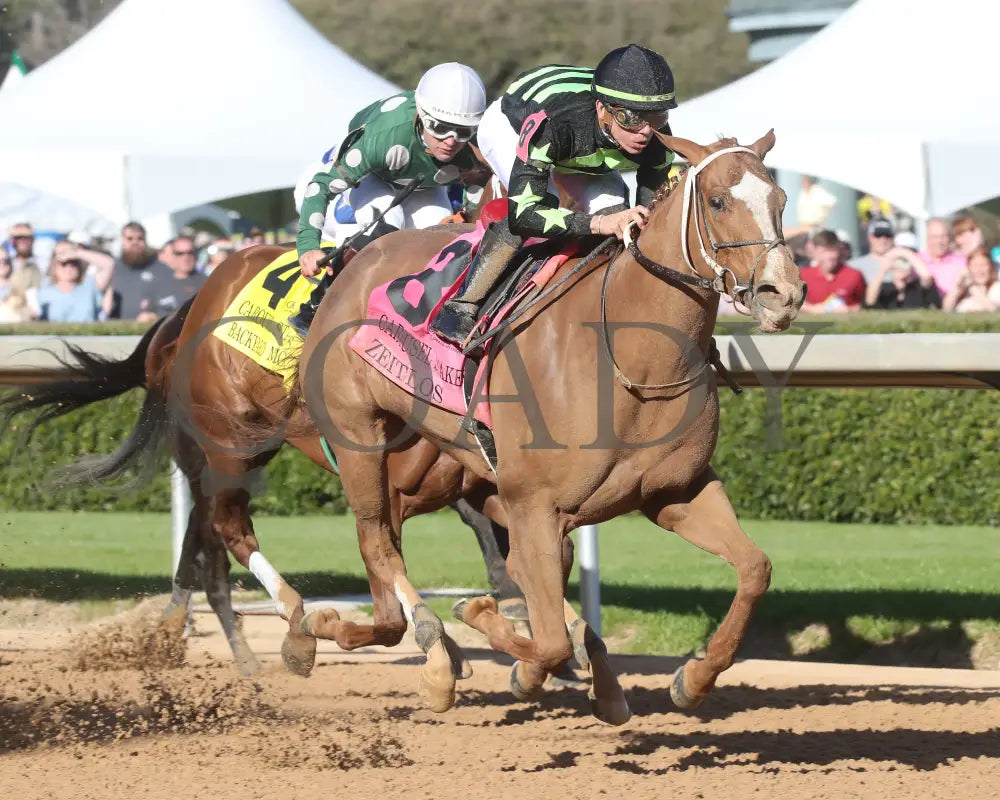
{"x":73,"y":727}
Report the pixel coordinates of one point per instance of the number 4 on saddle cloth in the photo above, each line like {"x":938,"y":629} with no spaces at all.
{"x":256,"y":322}
{"x":397,"y":340}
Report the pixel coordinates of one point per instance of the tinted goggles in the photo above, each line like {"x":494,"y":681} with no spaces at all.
{"x":445,"y":130}
{"x":632,"y":120}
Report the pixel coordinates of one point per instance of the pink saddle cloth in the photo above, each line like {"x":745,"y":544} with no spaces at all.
{"x":396,"y":339}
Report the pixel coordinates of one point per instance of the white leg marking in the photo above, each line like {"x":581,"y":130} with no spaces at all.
{"x":407,"y":611}
{"x":756,"y":192}
{"x":269,"y":578}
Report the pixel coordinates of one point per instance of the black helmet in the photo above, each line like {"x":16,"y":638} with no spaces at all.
{"x":634,"y":77}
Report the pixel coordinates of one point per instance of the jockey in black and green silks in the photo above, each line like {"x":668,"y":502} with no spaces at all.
{"x":580,"y":128}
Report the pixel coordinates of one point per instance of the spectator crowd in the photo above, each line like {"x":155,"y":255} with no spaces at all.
{"x":81,"y":282}
{"x":954,"y":272}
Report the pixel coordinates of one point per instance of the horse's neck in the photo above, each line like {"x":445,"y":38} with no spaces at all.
{"x":636,"y":295}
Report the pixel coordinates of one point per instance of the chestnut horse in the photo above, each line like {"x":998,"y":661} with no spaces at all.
{"x":599,"y":425}
{"x":206,"y":401}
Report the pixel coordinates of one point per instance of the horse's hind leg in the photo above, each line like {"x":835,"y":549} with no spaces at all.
{"x":175,"y":615}
{"x":215,"y":576}
{"x":706,"y":519}
{"x":203,"y":551}
{"x":231,"y":524}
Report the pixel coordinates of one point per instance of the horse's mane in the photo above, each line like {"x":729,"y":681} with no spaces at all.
{"x":671,"y":182}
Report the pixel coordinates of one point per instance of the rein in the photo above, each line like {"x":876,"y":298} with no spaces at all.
{"x":691,"y":208}
{"x":665,"y":273}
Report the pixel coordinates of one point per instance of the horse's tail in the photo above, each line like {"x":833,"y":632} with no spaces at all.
{"x":86,"y":378}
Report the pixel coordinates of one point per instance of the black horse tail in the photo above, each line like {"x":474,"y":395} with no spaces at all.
{"x":86,"y":378}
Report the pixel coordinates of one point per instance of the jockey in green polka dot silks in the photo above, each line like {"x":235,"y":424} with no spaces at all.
{"x":575,"y":129}
{"x":409,"y":136}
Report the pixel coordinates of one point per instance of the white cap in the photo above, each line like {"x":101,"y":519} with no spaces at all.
{"x":906,"y":239}
{"x":80,"y":237}
{"x":452,"y":93}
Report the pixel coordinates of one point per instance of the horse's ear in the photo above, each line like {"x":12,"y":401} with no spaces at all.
{"x":692,"y":152}
{"x":764,"y":144}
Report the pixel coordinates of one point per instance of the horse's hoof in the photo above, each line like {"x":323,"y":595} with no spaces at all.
{"x":578,"y":639}
{"x":248,"y":665}
{"x":460,"y":665}
{"x":174,"y":622}
{"x":322,"y":623}
{"x":514,"y":609}
{"x":298,"y":651}
{"x":458,"y":609}
{"x":436,"y":698}
{"x":679,"y":693}
{"x":610,"y":712}
{"x":522,"y":692}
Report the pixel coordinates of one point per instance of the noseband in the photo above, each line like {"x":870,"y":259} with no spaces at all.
{"x":694,"y":204}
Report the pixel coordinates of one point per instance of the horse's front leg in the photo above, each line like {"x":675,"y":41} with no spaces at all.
{"x":375,"y":505}
{"x":706,"y":519}
{"x":385,"y":575}
{"x":539,"y":562}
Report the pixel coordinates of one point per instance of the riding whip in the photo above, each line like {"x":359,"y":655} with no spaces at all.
{"x":400,"y":196}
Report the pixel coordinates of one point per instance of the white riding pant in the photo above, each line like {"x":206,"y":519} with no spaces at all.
{"x":421,"y":209}
{"x":498,"y":143}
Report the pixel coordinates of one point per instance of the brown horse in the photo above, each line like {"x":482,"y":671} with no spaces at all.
{"x":206,"y":400}
{"x":575,"y":446}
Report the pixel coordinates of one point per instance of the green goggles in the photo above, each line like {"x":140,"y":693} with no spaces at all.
{"x":632,"y":120}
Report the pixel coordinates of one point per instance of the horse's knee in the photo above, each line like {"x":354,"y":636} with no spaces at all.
{"x":755,"y":573}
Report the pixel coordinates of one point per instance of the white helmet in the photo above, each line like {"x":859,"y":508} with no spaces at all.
{"x":452,"y":93}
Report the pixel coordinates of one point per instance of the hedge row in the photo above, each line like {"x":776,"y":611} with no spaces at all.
{"x":294,"y":485}
{"x":893,"y":456}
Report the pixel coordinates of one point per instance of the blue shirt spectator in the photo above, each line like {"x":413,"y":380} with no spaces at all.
{"x":70,"y":297}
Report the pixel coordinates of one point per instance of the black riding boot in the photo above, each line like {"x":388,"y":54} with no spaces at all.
{"x":300,"y":322}
{"x":458,"y":316}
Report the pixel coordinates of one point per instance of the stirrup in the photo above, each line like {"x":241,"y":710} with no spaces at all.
{"x":300,"y":322}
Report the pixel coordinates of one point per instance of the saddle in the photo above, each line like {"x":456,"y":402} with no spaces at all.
{"x":399,"y":344}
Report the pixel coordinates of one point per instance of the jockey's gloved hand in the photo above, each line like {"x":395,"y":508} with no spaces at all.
{"x":308,"y":262}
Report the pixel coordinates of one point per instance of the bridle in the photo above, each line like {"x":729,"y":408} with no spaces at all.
{"x":694,"y":206}
{"x":692,"y":211}
{"x":717,"y":284}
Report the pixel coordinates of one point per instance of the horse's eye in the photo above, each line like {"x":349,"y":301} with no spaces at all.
{"x":717,"y":202}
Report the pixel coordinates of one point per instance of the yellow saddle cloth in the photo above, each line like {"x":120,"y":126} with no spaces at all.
{"x":256,"y":322}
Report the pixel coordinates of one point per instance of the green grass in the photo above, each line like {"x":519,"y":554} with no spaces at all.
{"x":859,"y":587}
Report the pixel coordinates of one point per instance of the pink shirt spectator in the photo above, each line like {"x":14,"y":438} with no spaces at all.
{"x":944,"y":270}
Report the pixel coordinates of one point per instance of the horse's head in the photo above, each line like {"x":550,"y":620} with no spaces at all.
{"x":731,"y":219}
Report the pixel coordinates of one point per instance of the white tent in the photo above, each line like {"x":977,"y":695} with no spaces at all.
{"x":48,"y":212}
{"x":896,"y":97}
{"x":171,"y":103}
